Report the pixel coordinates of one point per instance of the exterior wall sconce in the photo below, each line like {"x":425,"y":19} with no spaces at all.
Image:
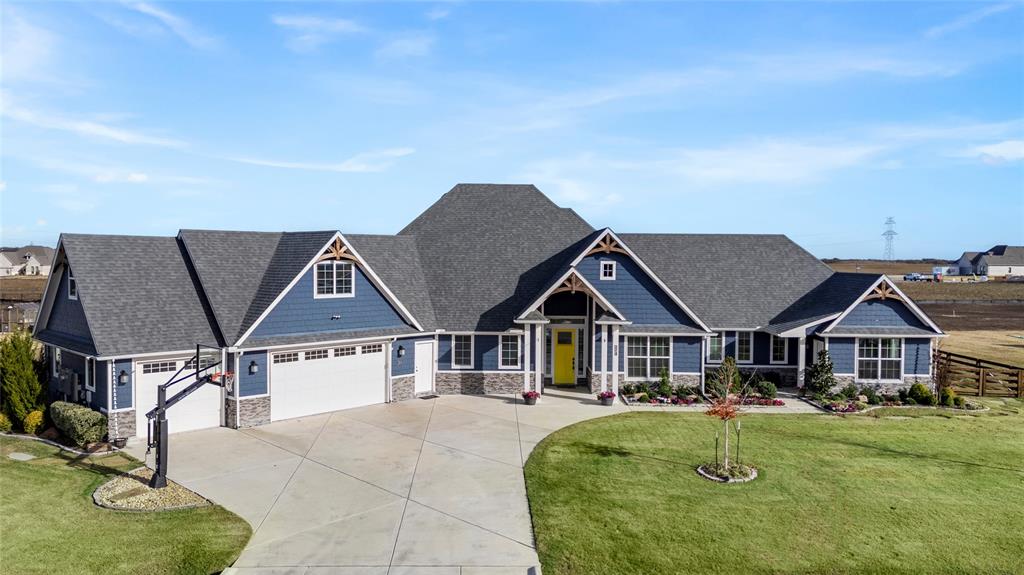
{"x":122,"y":378}
{"x":253,"y":368}
{"x":401,"y":351}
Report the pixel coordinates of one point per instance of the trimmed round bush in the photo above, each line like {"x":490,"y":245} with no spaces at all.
{"x":921,"y":395}
{"x":5,"y":423}
{"x":32,"y":422}
{"x":78,"y":423}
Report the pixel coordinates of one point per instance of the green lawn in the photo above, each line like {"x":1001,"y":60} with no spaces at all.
{"x":49,"y":524}
{"x":903,"y":491}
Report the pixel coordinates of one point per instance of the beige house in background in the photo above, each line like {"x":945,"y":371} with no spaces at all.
{"x":999,"y":262}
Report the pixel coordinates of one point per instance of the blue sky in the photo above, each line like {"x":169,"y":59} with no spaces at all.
{"x":817,"y":120}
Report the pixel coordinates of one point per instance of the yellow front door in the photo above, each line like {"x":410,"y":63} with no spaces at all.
{"x":565,"y":357}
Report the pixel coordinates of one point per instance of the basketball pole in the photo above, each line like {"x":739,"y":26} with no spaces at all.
{"x":159,"y":479}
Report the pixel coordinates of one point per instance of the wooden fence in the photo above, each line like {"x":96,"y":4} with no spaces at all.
{"x":972,"y":376}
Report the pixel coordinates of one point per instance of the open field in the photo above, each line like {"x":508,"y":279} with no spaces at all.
{"x":998,"y":346}
{"x":22,"y":288}
{"x":985,"y":331}
{"x":883,"y":266}
{"x":50,"y":524}
{"x":947,"y":291}
{"x":918,"y":491}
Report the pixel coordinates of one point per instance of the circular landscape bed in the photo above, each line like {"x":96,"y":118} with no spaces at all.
{"x":131,"y":492}
{"x":738,"y":474}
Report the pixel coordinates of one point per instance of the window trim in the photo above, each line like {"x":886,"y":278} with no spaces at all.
{"x":737,"y":356}
{"x":785,"y":350}
{"x":615,"y":270}
{"x":878,"y":360}
{"x":721,"y":348}
{"x":72,"y":282}
{"x":472,"y":351}
{"x":334,"y":279}
{"x":647,"y":357}
{"x":501,"y":352}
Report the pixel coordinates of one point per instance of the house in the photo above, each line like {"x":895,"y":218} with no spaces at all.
{"x":493,"y":289}
{"x":999,"y":262}
{"x":29,"y":260}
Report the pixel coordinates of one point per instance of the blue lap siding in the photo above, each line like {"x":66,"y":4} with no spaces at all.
{"x":882,"y":313}
{"x":299,"y":312}
{"x":250,"y":384}
{"x":123,"y":391}
{"x":67,"y":316}
{"x":843,"y":351}
{"x":405,"y":365}
{"x":917,"y":356}
{"x":633,"y":292}
{"x":686,"y":354}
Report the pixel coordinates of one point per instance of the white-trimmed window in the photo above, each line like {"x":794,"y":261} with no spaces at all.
{"x":608,"y":270}
{"x":373,"y":348}
{"x":716,"y":347}
{"x":880,"y":359}
{"x":159,"y":366}
{"x":780,"y":350}
{"x":316,"y":354}
{"x":287,"y":357}
{"x":509,"y":351}
{"x":72,"y":285}
{"x":462,"y":351}
{"x":744,"y":347}
{"x":334,"y":279}
{"x":343,"y":351}
{"x":647,"y":356}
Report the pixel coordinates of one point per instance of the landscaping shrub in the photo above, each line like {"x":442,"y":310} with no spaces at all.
{"x":921,"y":394}
{"x":909,"y":401}
{"x":5,"y":423}
{"x":871,"y":394}
{"x":628,"y":389}
{"x":947,"y":397}
{"x":32,"y":422}
{"x":78,"y":423}
{"x":820,"y":376}
{"x":959,"y":401}
{"x":849,"y":392}
{"x":774,"y":377}
{"x":20,"y":389}
{"x":765,"y":388}
{"x":644,"y":398}
{"x":902,"y":395}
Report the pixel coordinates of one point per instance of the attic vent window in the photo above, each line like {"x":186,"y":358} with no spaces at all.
{"x":72,"y":286}
{"x":607,"y":270}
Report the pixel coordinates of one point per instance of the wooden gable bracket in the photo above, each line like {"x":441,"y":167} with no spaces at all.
{"x":883,"y":292}
{"x":337,"y":251}
{"x":607,"y":245}
{"x":572,"y":284}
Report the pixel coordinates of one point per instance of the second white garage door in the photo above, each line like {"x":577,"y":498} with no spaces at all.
{"x":201,"y":409}
{"x":319,"y":380}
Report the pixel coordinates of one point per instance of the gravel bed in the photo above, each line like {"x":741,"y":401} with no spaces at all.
{"x":131,"y":492}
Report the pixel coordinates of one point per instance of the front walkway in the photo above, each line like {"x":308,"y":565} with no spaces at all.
{"x":416,"y":487}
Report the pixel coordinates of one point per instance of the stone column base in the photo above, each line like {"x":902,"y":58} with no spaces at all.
{"x":403,"y":388}
{"x":121,"y":424}
{"x":450,"y":382}
{"x":251,"y":412}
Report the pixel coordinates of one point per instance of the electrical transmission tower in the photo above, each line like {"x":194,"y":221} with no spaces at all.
{"x":890,"y":236}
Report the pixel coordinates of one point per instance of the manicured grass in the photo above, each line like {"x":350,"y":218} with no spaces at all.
{"x":907,"y":491}
{"x":49,"y":524}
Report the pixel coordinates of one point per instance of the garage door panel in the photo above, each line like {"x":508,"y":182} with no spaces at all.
{"x":313,"y":383}
{"x":200,"y":410}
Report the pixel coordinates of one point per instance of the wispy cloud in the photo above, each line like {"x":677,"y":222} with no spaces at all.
{"x":1000,"y":152}
{"x":830,"y":65}
{"x":438,"y":13}
{"x":27,"y":48}
{"x":177,"y":25}
{"x":967,"y":20}
{"x":376,"y":161}
{"x":411,"y":45}
{"x":89,"y":128}
{"x":307,"y":33}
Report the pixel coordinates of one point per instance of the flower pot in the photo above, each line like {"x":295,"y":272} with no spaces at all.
{"x":530,"y":400}
{"x":607,"y":400}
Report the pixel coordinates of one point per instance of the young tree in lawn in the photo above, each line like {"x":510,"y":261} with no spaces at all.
{"x":728,"y":394}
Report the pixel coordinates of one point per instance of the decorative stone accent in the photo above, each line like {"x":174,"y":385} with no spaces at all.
{"x":450,"y":382}
{"x":884,"y":387}
{"x":403,"y":388}
{"x":690,"y":379}
{"x":121,"y":424}
{"x":252,"y":412}
{"x":595,"y":382}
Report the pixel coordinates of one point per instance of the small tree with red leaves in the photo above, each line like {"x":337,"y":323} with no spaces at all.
{"x":727,"y":400}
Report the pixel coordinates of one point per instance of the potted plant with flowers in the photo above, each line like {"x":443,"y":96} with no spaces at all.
{"x":530,"y":397}
{"x":606,"y":397}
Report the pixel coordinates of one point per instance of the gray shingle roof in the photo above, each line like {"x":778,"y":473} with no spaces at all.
{"x":491,"y":249}
{"x":908,"y":331}
{"x":1003,"y":256}
{"x":138,"y":294}
{"x":244,"y":271}
{"x":828,"y":298}
{"x":762,"y":274}
{"x":396,"y":260}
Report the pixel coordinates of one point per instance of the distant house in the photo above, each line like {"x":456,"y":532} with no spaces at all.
{"x":1000,"y":261}
{"x":28,"y":260}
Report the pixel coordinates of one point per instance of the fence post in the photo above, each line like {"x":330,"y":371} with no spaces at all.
{"x":1020,"y":383}
{"x":981,"y":381}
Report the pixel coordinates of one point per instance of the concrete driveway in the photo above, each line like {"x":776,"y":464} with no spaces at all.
{"x":416,"y":487}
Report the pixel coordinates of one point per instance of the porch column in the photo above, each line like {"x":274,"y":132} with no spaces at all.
{"x":604,"y":358}
{"x":615,"y":359}
{"x":801,"y":361}
{"x":538,"y":344}
{"x":526,"y":357}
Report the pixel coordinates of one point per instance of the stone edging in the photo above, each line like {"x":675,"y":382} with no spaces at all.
{"x":61,"y":447}
{"x":96,"y":499}
{"x":717,"y":479}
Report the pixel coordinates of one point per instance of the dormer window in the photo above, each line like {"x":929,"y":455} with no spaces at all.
{"x":607,"y":270}
{"x":334,"y":279}
{"x":72,"y":286}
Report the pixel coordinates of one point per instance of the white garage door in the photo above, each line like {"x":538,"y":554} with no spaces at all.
{"x":328,"y":379}
{"x":199,"y":410}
